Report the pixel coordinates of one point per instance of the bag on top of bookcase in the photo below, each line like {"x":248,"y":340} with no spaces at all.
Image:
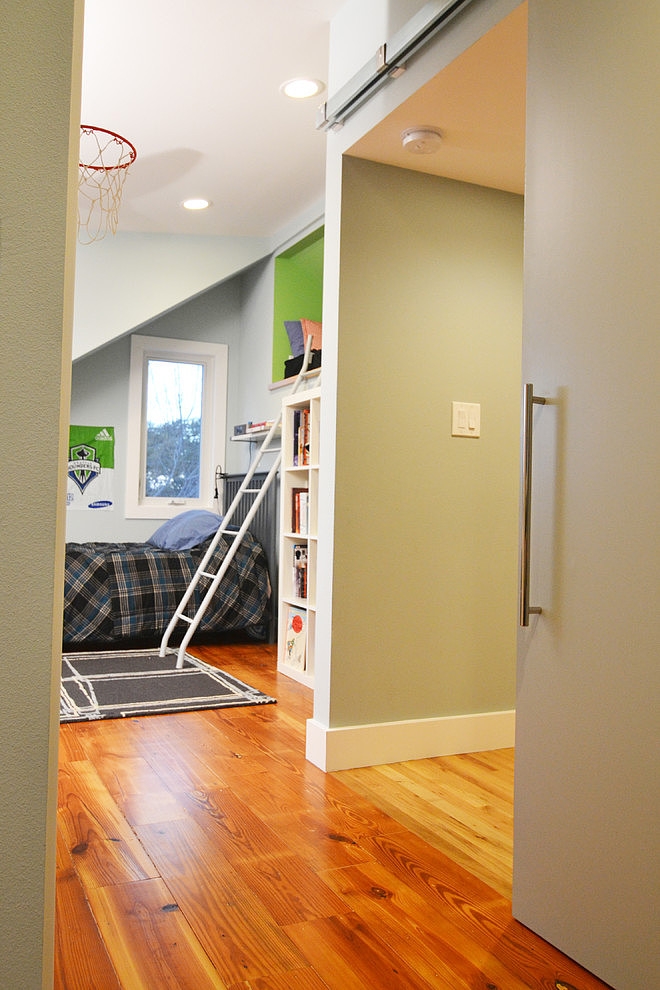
{"x":293,"y":365}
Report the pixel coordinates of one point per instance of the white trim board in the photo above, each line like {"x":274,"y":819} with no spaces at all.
{"x":350,"y":746}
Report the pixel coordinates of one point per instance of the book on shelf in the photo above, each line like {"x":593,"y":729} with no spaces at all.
{"x":243,"y":429}
{"x":296,"y":638}
{"x":261,"y":427}
{"x":300,"y":511}
{"x":300,"y":570}
{"x":300,"y":432}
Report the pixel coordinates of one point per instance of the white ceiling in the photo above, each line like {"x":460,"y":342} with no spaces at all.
{"x":195,"y":87}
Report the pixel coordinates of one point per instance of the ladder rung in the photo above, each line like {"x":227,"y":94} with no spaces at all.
{"x":251,"y":491}
{"x":206,"y":574}
{"x":186,"y":618}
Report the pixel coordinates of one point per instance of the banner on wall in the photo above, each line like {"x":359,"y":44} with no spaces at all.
{"x":91,"y":468}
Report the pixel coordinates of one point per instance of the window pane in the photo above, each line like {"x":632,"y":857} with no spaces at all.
{"x":174,"y":422}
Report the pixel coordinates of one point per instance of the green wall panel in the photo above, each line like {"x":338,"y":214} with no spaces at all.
{"x":298,"y":293}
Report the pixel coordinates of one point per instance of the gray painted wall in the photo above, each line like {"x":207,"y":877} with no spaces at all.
{"x":237,"y":313}
{"x":129,"y":279}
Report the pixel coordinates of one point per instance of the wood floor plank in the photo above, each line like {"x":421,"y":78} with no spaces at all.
{"x":81,"y":958}
{"x":175,"y":757}
{"x":70,"y":743}
{"x":237,"y":932}
{"x":482,"y":801}
{"x":309,"y":789}
{"x":137,"y":789}
{"x":316,"y":838}
{"x":448,"y":788}
{"x":245,"y":734}
{"x":318,"y":819}
{"x":272,"y":724}
{"x":290,"y":890}
{"x":419,"y":932}
{"x":478,"y":911}
{"x":211,"y":756}
{"x":472,"y":824}
{"x":240,"y":834}
{"x":102,"y":844}
{"x":150,"y":942}
{"x":347,"y":954}
{"x":295,"y":979}
{"x":466,"y":838}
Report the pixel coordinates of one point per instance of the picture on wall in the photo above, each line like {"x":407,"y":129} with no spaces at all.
{"x":91,"y":468}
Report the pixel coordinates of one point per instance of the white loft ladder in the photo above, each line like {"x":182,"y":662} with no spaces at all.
{"x":235,"y":535}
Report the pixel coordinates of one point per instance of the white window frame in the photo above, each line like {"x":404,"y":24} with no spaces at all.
{"x":214,"y":357}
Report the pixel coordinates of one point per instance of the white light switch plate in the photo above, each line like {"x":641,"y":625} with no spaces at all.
{"x":466,"y":419}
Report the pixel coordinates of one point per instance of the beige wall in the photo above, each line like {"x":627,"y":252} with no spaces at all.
{"x":425,"y":542}
{"x":36,"y":288}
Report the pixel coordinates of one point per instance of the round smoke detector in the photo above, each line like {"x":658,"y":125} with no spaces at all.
{"x":421,"y":140}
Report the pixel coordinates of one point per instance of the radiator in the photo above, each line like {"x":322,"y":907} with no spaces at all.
{"x":265,"y":527}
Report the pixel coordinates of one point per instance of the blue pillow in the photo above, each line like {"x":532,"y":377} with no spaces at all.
{"x":186,"y":530}
{"x":294,"y":332}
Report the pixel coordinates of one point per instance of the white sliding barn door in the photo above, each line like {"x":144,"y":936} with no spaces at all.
{"x":587,"y":816}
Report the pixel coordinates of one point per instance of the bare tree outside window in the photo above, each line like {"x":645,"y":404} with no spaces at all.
{"x":177,"y":424}
{"x":173,"y":429}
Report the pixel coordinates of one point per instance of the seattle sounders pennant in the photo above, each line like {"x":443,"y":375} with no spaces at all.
{"x":91,"y":467}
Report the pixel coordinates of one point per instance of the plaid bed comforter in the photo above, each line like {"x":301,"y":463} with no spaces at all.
{"x":116,"y":591}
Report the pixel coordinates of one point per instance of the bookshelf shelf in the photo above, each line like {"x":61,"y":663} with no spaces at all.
{"x":299,"y":528}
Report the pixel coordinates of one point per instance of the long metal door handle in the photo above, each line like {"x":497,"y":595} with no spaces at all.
{"x":528,"y":430}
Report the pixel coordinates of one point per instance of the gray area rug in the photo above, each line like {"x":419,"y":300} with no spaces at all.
{"x":119,"y":684}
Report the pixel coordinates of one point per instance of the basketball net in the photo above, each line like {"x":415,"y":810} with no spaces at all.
{"x":104,"y":161}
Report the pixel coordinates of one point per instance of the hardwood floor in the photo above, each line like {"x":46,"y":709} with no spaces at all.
{"x":462,"y":805}
{"x":202,"y":850}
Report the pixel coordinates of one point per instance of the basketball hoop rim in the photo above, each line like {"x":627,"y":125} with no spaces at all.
{"x":117,"y":137}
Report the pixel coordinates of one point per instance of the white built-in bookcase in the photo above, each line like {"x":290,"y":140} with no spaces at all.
{"x":299,"y":534}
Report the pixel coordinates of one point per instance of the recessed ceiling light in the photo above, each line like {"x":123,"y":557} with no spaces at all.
{"x":302,"y":89}
{"x":196,"y":204}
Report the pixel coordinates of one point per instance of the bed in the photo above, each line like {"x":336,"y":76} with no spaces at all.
{"x":116,"y":593}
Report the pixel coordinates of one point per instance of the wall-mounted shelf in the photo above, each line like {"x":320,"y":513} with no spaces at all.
{"x":258,"y":436}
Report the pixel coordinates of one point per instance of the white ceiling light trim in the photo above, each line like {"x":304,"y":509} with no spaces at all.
{"x":301,"y":89}
{"x":196,"y":204}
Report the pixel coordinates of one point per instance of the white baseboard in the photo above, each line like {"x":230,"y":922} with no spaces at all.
{"x":392,"y":742}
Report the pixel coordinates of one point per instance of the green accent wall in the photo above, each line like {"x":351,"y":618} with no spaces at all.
{"x":298,"y":293}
